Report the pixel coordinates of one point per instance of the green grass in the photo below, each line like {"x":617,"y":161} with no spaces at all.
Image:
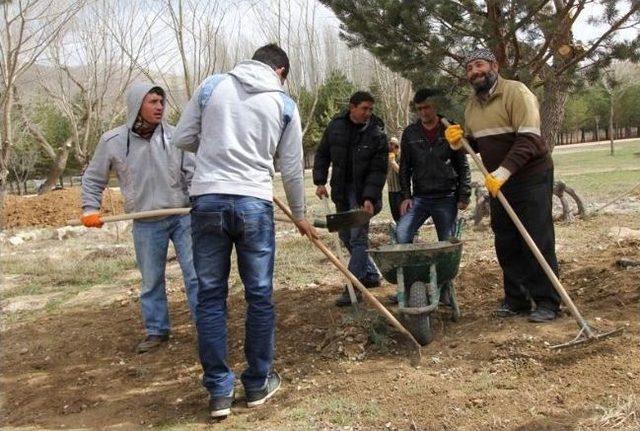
{"x":343,"y":412}
{"x":571,"y":163}
{"x":595,"y":174}
{"x":47,"y":274}
{"x":298,"y":261}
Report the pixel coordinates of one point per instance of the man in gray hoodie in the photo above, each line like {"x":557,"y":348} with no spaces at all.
{"x":236,"y":122}
{"x":153,"y":174}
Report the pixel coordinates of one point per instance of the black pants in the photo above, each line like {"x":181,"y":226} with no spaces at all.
{"x":524,"y":278}
{"x":395,"y":199}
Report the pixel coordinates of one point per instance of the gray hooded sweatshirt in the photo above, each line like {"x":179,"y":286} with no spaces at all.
{"x":235,"y":123}
{"x":153,"y":174}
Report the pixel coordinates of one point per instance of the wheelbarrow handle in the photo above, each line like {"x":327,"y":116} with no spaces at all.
{"x":354,"y":280}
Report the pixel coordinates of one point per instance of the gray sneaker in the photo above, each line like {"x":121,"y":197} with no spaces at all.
{"x":220,"y":407}
{"x":151,"y":342}
{"x":542,"y":315}
{"x":256,"y":398}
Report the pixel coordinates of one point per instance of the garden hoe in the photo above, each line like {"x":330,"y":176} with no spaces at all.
{"x":153,"y":213}
{"x":586,"y":334}
{"x":356,"y":283}
{"x":353,"y":279}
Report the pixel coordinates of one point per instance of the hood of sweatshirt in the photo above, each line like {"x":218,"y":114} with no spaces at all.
{"x":257,"y":77}
{"x":135,"y":96}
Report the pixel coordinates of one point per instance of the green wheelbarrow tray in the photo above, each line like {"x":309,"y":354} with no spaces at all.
{"x":422,"y":272}
{"x":416,"y":260}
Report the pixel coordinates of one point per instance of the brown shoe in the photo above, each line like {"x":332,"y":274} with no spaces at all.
{"x":151,"y":342}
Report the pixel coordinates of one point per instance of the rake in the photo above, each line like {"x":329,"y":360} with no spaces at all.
{"x":417,"y":355}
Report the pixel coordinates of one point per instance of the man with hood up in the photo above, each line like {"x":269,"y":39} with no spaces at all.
{"x":236,"y":122}
{"x":153,"y":174}
{"x":355,"y":146}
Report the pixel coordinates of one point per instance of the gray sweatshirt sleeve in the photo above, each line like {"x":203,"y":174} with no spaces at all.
{"x":188,"y":166}
{"x":292,"y":166}
{"x":186,"y":136}
{"x":96,"y":177}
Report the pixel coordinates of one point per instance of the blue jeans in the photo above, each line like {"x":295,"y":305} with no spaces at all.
{"x":219,"y":222}
{"x":151,"y":242}
{"x":356,"y":240}
{"x":443,"y":211}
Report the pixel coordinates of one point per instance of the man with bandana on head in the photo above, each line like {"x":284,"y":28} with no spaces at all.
{"x":502,"y":123}
{"x":152,"y":174}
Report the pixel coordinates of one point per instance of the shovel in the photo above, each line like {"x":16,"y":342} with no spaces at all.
{"x":356,"y":283}
{"x":586,"y":334}
{"x":336,"y":243}
{"x":343,"y":220}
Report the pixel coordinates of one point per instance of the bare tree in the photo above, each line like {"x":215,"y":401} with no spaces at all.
{"x":58,"y":156}
{"x":395,"y":97}
{"x":90,"y":94}
{"x":28,"y":28}
{"x":615,"y":84}
{"x":200,"y":38}
{"x":300,"y":35}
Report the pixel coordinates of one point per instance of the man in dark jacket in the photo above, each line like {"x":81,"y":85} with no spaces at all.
{"x":440,"y":176}
{"x":355,"y":146}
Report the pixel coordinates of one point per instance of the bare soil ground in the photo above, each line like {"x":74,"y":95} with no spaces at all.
{"x":72,"y":365}
{"x":52,"y":209}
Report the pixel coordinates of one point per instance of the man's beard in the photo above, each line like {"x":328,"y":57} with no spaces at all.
{"x":483,"y":87}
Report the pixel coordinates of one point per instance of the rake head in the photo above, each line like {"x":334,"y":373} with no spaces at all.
{"x":587,"y":336}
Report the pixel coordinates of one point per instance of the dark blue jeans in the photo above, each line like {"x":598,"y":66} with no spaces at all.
{"x":218,"y":223}
{"x":356,"y":240}
{"x":443,"y":211}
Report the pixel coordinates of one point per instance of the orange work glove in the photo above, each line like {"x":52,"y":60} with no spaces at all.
{"x":496,"y":179}
{"x":92,"y":220}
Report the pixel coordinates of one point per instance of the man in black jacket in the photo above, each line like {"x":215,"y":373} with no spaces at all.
{"x":440,"y":176}
{"x":355,"y":146}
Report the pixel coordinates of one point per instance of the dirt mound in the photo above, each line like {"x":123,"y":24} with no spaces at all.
{"x":52,"y":209}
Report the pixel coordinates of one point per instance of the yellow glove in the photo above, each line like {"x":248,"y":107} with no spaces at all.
{"x":496,"y":179}
{"x":454,"y":135}
{"x":392,"y":156}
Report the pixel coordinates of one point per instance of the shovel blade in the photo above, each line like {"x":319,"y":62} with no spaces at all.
{"x":347,"y":219}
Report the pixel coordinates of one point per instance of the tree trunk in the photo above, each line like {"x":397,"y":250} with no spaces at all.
{"x":7,"y":140}
{"x":552,"y":109}
{"x":582,"y":137}
{"x":57,"y":169}
{"x":612,"y":131}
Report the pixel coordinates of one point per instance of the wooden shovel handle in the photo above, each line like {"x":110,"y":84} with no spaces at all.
{"x":153,"y":213}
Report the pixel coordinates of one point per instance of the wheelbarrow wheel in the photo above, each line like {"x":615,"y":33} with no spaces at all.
{"x":419,"y":324}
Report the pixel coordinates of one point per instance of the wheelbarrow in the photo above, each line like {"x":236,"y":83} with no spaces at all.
{"x":423,"y":274}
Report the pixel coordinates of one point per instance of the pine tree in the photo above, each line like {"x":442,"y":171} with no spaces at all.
{"x":426,"y":41}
